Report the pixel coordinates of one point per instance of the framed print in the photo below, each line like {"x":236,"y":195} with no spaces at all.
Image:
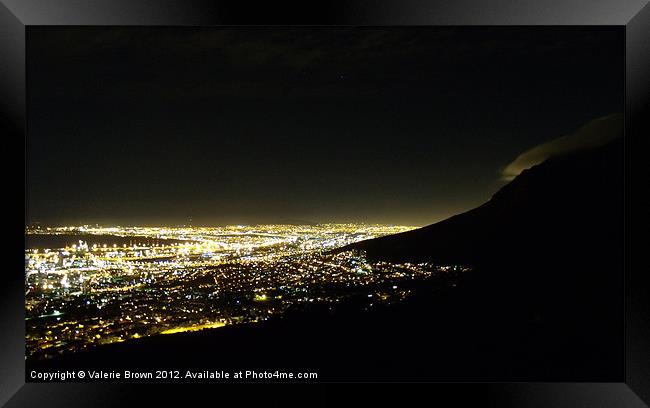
{"x":299,"y":195}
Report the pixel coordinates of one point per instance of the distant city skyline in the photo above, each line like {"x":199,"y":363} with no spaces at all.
{"x":215,"y":126}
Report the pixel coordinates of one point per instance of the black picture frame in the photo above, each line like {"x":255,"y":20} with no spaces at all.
{"x":17,"y":16}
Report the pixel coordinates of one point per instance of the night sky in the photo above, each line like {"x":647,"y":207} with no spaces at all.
{"x":209,"y":126}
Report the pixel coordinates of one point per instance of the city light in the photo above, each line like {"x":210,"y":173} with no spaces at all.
{"x":87,"y":286}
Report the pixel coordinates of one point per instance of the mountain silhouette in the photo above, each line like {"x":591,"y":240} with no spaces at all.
{"x":547,"y":253}
{"x":568,"y":208}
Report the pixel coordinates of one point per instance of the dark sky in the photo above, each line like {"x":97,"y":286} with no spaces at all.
{"x":404,"y":125}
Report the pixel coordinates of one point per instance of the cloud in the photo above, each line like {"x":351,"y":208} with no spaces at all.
{"x":595,"y":133}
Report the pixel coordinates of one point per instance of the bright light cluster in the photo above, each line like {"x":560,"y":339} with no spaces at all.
{"x":92,"y":285}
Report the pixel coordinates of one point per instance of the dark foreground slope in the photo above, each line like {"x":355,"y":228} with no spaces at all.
{"x":544,"y":302}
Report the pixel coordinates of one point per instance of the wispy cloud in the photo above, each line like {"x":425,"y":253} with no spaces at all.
{"x":595,"y":133}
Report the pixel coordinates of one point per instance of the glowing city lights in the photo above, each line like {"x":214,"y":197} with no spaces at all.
{"x":87,"y":285}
